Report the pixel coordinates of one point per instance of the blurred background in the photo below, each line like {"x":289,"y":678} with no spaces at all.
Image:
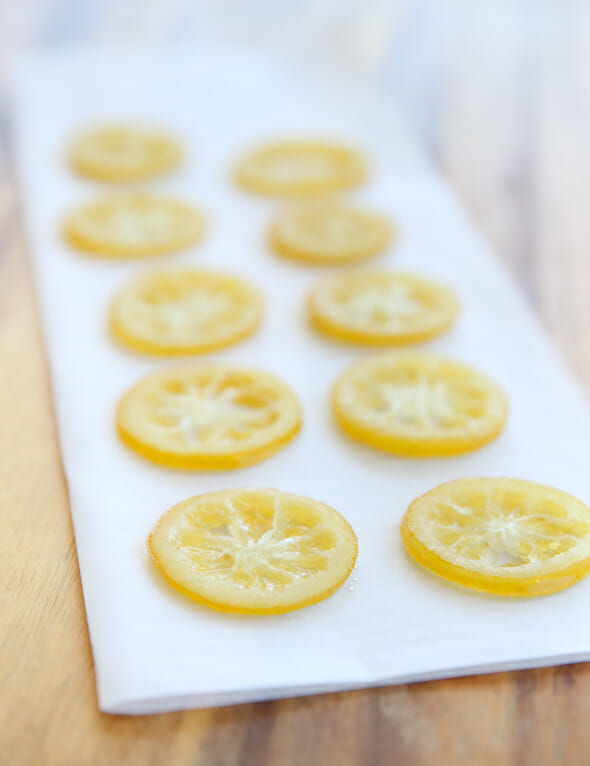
{"x":498,"y":90}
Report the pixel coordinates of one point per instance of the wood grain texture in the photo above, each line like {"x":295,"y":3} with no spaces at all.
{"x":500,"y":90}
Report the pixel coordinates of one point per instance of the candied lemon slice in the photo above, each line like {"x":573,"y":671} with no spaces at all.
{"x":505,"y":536}
{"x":328,"y":233}
{"x":419,"y":405}
{"x":208,"y":416}
{"x":185,"y":311}
{"x":123,"y":153}
{"x":254,"y":551}
{"x":134,"y":226}
{"x":300,"y":168}
{"x":381,"y":307}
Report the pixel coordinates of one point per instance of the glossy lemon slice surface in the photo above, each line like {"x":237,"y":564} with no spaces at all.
{"x":134,"y":226}
{"x":329,"y":233}
{"x":379,"y":307}
{"x":419,"y":405}
{"x":300,"y":167}
{"x":208,"y":416}
{"x":185,"y":311}
{"x":123,"y":153}
{"x":505,"y":536}
{"x":254,"y":551}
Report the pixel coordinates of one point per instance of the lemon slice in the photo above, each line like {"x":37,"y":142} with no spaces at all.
{"x":134,"y":226}
{"x":505,"y":536}
{"x":419,"y":405}
{"x":300,"y":168}
{"x":381,"y":307}
{"x":328,"y":233}
{"x":208,"y":416}
{"x":185,"y":311}
{"x":123,"y":153}
{"x":254,"y":551}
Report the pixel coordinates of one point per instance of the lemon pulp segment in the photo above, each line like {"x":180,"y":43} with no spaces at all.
{"x":123,"y":153}
{"x":418,"y":404}
{"x":134,"y":226}
{"x":300,"y":167}
{"x":379,"y":307}
{"x":185,"y":311}
{"x":208,"y":416}
{"x":254,"y":551}
{"x":505,"y":536}
{"x":329,"y":233}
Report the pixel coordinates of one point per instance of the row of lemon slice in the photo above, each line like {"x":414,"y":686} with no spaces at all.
{"x":266,"y":551}
{"x":140,"y":225}
{"x":215,"y":416}
{"x":191,"y":311}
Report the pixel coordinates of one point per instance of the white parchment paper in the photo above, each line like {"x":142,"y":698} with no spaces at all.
{"x":155,"y":650}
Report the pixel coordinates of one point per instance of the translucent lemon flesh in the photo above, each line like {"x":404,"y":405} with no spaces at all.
{"x":419,"y":405}
{"x":300,"y":168}
{"x":208,"y":417}
{"x":134,"y":226}
{"x":329,"y":233}
{"x":504,"y":536}
{"x":254,"y":551}
{"x":379,"y":307}
{"x":185,"y":311}
{"x":123,"y":153}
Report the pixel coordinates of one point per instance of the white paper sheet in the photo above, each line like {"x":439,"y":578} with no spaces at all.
{"x":155,"y":650}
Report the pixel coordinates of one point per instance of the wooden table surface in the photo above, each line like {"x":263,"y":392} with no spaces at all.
{"x":500,"y":92}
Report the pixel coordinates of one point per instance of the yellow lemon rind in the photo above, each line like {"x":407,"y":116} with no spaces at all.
{"x":405,"y":446}
{"x":108,"y":250}
{"x":206,"y":459}
{"x":402,"y":446}
{"x":203,"y":461}
{"x":292,"y":252}
{"x":498,"y":585}
{"x":144,"y":346}
{"x":95,"y":170}
{"x":122,"y":335}
{"x":227,"y":606}
{"x":323,"y":324}
{"x":232,"y":609}
{"x":353,"y":175}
